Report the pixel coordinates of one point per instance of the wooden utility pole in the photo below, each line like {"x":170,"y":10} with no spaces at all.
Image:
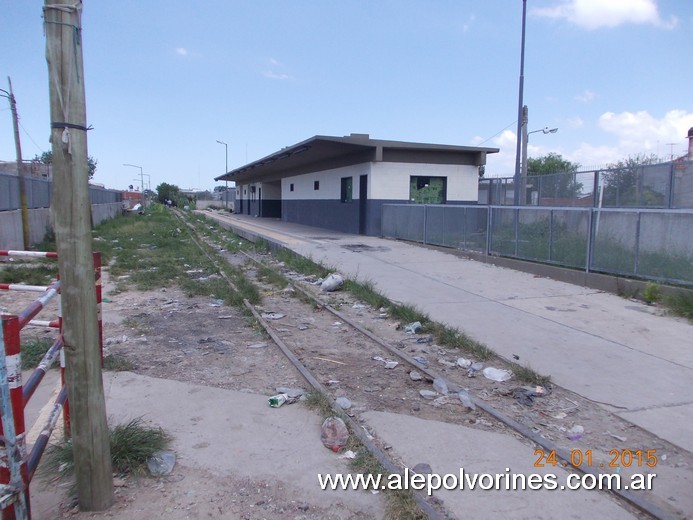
{"x":71,"y":209}
{"x":20,"y":167}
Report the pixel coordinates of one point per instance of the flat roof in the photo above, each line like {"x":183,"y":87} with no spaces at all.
{"x":323,"y":152}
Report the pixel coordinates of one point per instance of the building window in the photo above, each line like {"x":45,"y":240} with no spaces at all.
{"x":316,"y":185}
{"x":291,"y":187}
{"x":427,"y":190}
{"x":347,"y":185}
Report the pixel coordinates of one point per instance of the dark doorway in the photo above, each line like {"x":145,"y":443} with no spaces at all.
{"x":363,"y":203}
{"x":259,"y":202}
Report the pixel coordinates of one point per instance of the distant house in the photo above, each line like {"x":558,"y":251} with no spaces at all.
{"x":34,"y":169}
{"x":341,"y":183}
{"x":131,"y":198}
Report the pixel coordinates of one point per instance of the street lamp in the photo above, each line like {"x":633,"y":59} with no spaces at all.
{"x":525,"y":143}
{"x":226,"y":192}
{"x":141,"y":180}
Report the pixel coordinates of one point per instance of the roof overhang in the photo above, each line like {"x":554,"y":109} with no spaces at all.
{"x":327,"y":152}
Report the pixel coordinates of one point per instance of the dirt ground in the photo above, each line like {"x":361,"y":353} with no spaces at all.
{"x":165,"y":334}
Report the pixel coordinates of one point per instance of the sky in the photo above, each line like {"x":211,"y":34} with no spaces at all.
{"x":166,"y":80}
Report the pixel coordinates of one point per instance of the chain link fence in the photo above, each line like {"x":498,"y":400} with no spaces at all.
{"x":643,"y":243}
{"x":667,"y":185}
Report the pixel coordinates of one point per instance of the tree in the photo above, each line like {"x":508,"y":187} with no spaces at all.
{"x":47,"y":158}
{"x":623,"y":183}
{"x":560,"y":181}
{"x":167,"y":191}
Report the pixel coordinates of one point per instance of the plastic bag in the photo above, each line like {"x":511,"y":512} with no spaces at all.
{"x":334,"y":434}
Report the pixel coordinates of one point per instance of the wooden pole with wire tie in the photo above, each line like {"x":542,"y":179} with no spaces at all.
{"x":71,"y":211}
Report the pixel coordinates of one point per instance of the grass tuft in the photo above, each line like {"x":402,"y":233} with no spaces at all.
{"x":528,"y":375}
{"x":131,"y":445}
{"x":300,"y":263}
{"x":33,"y":351}
{"x":681,"y":304}
{"x":270,"y":276}
{"x":319,"y":403}
{"x":116,"y":363}
{"x":31,"y":274}
{"x":367,"y":293}
{"x":652,"y":293}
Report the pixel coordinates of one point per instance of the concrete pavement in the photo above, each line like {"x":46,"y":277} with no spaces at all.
{"x":614,"y":351}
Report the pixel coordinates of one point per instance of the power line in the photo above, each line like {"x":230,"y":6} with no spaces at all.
{"x":31,"y":138}
{"x":497,"y":133}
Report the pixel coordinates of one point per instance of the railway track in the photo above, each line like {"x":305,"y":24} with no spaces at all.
{"x":350,"y":345}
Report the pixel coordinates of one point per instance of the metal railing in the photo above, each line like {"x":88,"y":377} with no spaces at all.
{"x":654,"y":244}
{"x":17,"y":466}
{"x":665,"y":185}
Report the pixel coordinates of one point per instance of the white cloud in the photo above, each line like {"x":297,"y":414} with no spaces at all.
{"x":640,"y":132}
{"x":594,"y":14}
{"x":586,"y":97}
{"x":182,"y":51}
{"x":274,"y":75}
{"x":589,"y":156}
{"x":502,"y":164}
{"x":272,"y":72}
{"x":468,"y":23}
{"x":575,"y":122}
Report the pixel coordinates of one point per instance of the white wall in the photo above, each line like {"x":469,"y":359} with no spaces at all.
{"x":271,"y":190}
{"x":391,"y":180}
{"x":330,"y":183}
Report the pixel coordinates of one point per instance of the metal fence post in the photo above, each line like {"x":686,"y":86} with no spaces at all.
{"x":425,"y":223}
{"x":551,"y":235}
{"x":637,"y":244}
{"x":590,"y":238}
{"x":489,"y":229}
{"x":13,"y":429}
{"x":517,"y":231}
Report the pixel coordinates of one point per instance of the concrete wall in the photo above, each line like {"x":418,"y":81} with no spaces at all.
{"x":11,"y":236}
{"x":391,"y":180}
{"x":204,"y":204}
{"x":330,"y":183}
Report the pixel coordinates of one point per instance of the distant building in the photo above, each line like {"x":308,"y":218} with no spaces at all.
{"x":131,"y":198}
{"x":34,"y":169}
{"x":341,"y":183}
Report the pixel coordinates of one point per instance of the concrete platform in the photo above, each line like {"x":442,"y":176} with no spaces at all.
{"x":449,"y":447}
{"x":225,"y":433}
{"x":609,"y":349}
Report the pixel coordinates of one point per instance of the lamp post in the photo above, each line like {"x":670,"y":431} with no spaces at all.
{"x":516,"y":198}
{"x":149,"y":184}
{"x":525,"y":143}
{"x":141,"y":180}
{"x":226,"y":169}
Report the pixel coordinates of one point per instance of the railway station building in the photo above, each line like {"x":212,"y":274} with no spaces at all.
{"x":341,"y":183}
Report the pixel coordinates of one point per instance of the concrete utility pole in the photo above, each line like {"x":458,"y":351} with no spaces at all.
{"x":71,"y":210}
{"x":516,"y":182}
{"x":20,"y":166}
